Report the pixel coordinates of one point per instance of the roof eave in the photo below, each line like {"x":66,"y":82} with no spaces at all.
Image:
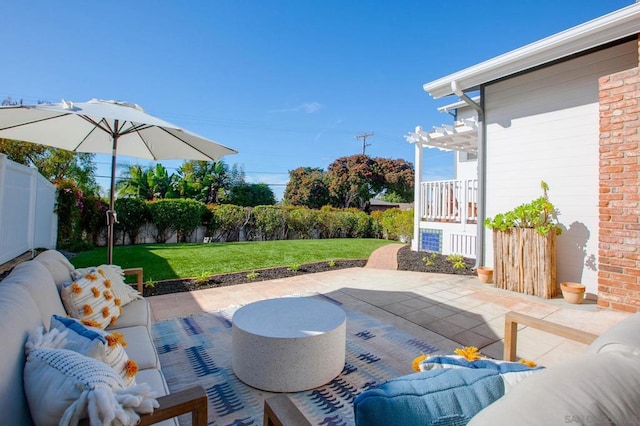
{"x":605,"y":29}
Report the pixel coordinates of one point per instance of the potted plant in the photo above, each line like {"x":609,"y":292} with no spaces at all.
{"x":524,"y":247}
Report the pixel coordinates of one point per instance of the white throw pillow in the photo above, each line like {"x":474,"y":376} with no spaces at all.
{"x":74,"y":385}
{"x":99,"y":344}
{"x":91,"y":300}
{"x":123,"y":292}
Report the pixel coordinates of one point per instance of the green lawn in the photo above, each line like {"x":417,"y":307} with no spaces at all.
{"x":168,"y":261}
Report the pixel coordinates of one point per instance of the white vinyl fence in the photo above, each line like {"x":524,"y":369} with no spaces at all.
{"x":27,"y":217}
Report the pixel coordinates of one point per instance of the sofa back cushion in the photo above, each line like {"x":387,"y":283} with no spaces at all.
{"x":587,"y":389}
{"x":58,"y":265}
{"x":20,"y":316}
{"x":624,"y":336}
{"x":36,"y":279}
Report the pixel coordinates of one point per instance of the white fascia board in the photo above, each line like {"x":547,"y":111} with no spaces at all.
{"x":605,"y":29}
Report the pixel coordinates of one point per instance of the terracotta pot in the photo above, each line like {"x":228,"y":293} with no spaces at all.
{"x":573,"y":292}
{"x":485,"y":274}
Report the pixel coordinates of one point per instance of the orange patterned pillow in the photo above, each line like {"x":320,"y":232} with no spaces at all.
{"x":91,"y":301}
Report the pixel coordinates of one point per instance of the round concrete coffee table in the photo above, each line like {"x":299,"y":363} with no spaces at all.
{"x":288,"y":344}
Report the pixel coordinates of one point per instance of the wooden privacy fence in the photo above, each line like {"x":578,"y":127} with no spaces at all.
{"x":525,"y":262}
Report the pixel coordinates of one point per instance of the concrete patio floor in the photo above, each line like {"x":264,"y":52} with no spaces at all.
{"x":448,"y":311}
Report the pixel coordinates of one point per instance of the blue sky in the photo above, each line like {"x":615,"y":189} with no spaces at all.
{"x":288,"y":83}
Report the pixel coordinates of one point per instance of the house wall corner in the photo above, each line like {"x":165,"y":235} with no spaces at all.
{"x":619,"y":191}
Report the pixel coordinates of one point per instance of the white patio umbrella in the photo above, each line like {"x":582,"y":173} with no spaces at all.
{"x":104,"y":127}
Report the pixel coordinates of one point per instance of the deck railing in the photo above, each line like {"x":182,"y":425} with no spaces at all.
{"x":454,"y":201}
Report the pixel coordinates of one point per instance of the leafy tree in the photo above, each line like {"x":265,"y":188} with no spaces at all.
{"x":57,"y":165}
{"x":251,"y":195}
{"x":151,"y":183}
{"x":202,"y":180}
{"x":236,"y":175}
{"x":307,"y":186}
{"x":398,"y":179}
{"x":354,"y":180}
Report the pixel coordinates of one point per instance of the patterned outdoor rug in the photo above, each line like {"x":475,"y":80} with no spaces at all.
{"x":197,"y":350}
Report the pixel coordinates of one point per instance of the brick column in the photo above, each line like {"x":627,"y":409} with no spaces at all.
{"x":619,"y":200}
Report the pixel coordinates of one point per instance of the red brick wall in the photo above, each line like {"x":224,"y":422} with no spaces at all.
{"x":619,"y":201}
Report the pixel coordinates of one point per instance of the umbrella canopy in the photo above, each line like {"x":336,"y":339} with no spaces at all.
{"x":105,"y":127}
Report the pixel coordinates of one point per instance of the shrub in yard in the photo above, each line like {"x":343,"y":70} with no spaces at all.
{"x":397,"y":223}
{"x":189,"y":213}
{"x":363,"y":227}
{"x":329,"y":223}
{"x":271,"y":221}
{"x":457,"y":261}
{"x":180,"y":215}
{"x":132,"y":214}
{"x":68,"y":205}
{"x":93,"y":218}
{"x":376,"y":224}
{"x":294,"y":267}
{"x":229,"y":219}
{"x":347,"y":222}
{"x":303,"y":221}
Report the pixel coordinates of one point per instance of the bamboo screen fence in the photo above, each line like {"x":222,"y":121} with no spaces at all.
{"x":525,"y":262}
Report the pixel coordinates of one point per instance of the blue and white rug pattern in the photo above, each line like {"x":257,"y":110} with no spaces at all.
{"x":197,"y":350}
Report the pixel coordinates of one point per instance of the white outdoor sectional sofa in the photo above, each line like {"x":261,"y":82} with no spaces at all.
{"x":30,"y":295}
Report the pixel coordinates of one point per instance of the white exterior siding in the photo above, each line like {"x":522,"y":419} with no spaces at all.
{"x":543,"y":125}
{"x":466,"y":169}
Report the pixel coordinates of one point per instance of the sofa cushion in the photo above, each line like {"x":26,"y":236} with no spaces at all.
{"x":135,"y":313}
{"x":122,"y":291}
{"x":99,"y":344}
{"x":588,"y":389}
{"x":36,"y":279}
{"x":20,"y":316}
{"x":437,"y":397}
{"x":623,"y":336}
{"x":140,"y":347}
{"x":57,"y":264}
{"x":91,"y":300}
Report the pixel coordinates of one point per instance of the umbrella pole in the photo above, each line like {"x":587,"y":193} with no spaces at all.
{"x":111,"y":214}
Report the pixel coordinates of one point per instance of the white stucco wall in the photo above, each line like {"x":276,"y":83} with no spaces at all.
{"x":543,"y":125}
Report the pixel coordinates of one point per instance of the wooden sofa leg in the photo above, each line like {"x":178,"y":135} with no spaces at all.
{"x":510,"y":338}
{"x":193,"y":400}
{"x":279,"y":410}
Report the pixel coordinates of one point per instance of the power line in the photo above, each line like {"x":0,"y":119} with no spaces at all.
{"x":364,"y":137}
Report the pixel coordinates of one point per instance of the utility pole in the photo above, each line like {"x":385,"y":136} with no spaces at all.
{"x":364,"y":137}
